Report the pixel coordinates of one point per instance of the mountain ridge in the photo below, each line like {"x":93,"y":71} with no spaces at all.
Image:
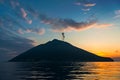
{"x":57,"y":50}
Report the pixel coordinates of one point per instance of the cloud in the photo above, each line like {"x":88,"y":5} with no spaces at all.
{"x":86,"y":9}
{"x":20,"y":31}
{"x":86,"y":5}
{"x":24,"y":14}
{"x":12,"y":44}
{"x":63,"y":25}
{"x":29,"y":21}
{"x":58,"y":24}
{"x":103,"y":25}
{"x":89,"y":4}
{"x":20,"y":11}
{"x":39,"y":31}
{"x":16,"y":27}
{"x":28,"y":31}
{"x":117,"y":14}
{"x":12,"y":24}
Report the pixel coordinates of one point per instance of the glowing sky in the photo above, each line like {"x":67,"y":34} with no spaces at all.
{"x":93,"y":25}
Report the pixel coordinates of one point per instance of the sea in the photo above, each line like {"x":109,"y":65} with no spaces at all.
{"x":47,"y":70}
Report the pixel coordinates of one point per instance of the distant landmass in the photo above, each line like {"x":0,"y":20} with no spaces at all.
{"x":57,"y":50}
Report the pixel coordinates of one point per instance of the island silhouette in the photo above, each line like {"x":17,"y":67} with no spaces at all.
{"x":57,"y":50}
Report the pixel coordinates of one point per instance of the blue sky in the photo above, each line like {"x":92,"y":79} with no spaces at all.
{"x":89,"y":24}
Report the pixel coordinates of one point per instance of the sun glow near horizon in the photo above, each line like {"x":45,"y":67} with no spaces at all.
{"x":103,"y":42}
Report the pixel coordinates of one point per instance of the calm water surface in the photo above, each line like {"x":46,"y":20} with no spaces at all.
{"x":60,"y":71}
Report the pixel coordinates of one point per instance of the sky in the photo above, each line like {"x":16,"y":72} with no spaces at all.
{"x":93,"y":25}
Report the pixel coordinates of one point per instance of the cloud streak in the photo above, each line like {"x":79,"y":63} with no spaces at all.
{"x":12,"y":45}
{"x":89,"y":4}
{"x":20,"y":31}
{"x":86,"y":5}
{"x":58,"y":24}
{"x":68,"y":24}
{"x":117,"y":14}
{"x":104,"y":25}
{"x":20,"y":11}
{"x":24,"y":14}
{"x":39,"y":31}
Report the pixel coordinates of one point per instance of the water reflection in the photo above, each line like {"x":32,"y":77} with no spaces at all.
{"x":60,"y":71}
{"x":51,"y":70}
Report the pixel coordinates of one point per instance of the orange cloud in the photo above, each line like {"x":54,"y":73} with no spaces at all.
{"x":103,"y":25}
{"x":89,"y":4}
{"x":82,"y":27}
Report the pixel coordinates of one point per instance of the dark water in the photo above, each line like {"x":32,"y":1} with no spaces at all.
{"x":60,"y":71}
